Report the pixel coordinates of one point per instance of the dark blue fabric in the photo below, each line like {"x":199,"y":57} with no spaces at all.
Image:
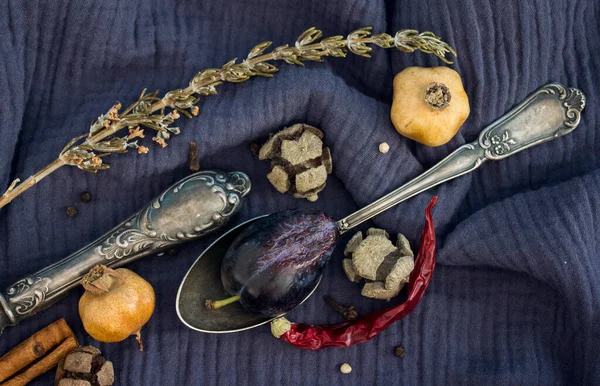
{"x":515,"y":298}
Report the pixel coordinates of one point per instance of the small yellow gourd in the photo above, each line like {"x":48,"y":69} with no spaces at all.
{"x":430,"y":104}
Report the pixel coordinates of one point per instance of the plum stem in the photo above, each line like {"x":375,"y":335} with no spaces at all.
{"x":214,"y":304}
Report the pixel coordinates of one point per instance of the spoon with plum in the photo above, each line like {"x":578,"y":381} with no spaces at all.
{"x":267,"y":266}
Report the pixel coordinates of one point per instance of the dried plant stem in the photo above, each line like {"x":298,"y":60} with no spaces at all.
{"x":148,"y":111}
{"x":11,"y":194}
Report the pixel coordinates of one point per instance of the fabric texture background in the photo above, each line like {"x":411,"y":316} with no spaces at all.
{"x":515,"y":298}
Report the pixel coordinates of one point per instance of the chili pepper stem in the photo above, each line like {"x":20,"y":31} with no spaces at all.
{"x":214,"y":304}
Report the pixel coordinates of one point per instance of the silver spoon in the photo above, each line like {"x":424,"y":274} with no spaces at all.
{"x":550,"y":112}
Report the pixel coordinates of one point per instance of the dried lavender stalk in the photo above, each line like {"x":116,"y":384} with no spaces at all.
{"x":86,"y":151}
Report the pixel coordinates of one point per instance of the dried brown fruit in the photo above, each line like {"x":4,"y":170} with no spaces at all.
{"x":299,"y":163}
{"x":84,"y":366}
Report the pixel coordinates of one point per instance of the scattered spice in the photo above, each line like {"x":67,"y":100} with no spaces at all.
{"x":85,"y":366}
{"x":86,"y":197}
{"x":116,"y":304}
{"x":399,"y":351}
{"x":430,"y":104}
{"x":142,"y":150}
{"x":193,"y":161}
{"x":384,"y":147}
{"x":349,"y":313}
{"x":254,"y":148}
{"x":345,"y":368}
{"x":71,"y":211}
{"x":195,"y":111}
{"x":38,"y":354}
{"x":172,"y":252}
{"x":299,"y":163}
{"x":368,"y":326}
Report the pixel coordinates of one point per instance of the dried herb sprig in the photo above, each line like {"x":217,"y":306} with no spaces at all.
{"x":149,"y":111}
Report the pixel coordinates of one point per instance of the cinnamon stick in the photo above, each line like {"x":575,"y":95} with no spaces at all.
{"x":47,"y":363}
{"x":34,"y":348}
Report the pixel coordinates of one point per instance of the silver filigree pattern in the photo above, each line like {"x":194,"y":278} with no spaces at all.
{"x":497,"y":144}
{"x":194,"y":206}
{"x":27,"y":294}
{"x":572,"y":99}
{"x":139,"y":235}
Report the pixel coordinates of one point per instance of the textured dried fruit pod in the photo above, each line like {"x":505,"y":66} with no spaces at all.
{"x":299,"y":162}
{"x":84,"y":366}
{"x":370,"y":254}
{"x":429,"y":105}
{"x":350,"y":271}
{"x":377,"y":290}
{"x":385,"y":267}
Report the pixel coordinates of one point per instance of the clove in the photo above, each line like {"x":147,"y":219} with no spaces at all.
{"x":349,"y":313}
{"x":193,"y":161}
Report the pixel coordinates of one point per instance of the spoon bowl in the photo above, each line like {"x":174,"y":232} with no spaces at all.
{"x":203,"y":281}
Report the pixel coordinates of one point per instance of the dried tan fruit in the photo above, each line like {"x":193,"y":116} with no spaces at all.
{"x":378,"y":232}
{"x":311,"y":179}
{"x":370,"y":254}
{"x":385,"y":267}
{"x":299,"y":163}
{"x":377,"y":290}
{"x":350,"y":272}
{"x":279,"y":179}
{"x":403,"y":246}
{"x":327,"y":160}
{"x":353,"y":244}
{"x":400,"y":273}
{"x":305,"y":148}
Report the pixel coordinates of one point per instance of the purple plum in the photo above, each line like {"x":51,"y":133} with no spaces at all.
{"x":275,"y":262}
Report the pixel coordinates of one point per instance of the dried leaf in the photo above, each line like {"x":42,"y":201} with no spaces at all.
{"x":309,"y":36}
{"x":259,"y":49}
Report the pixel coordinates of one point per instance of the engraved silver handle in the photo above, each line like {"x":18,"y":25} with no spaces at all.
{"x":188,"y":210}
{"x":550,"y":112}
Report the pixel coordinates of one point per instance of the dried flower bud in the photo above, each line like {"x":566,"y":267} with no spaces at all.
{"x":195,"y":111}
{"x":135,"y":133}
{"x":142,"y":150}
{"x":160,"y":141}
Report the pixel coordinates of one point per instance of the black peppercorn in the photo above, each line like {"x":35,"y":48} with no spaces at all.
{"x":399,"y":351}
{"x":86,"y":197}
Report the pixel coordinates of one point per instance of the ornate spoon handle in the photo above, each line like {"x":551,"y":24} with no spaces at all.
{"x":188,"y":210}
{"x":550,"y":112}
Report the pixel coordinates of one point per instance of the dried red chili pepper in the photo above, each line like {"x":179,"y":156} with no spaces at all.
{"x":368,"y":326}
